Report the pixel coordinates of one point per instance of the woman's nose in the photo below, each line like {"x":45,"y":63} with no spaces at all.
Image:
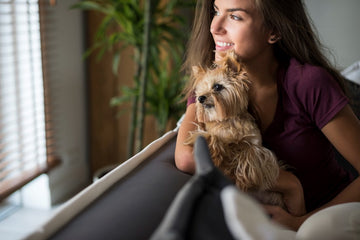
{"x":217,"y":26}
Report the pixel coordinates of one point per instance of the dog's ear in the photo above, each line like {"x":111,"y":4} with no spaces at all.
{"x":198,"y":73}
{"x":198,"y":70}
{"x":219,"y":55}
{"x":232,"y":62}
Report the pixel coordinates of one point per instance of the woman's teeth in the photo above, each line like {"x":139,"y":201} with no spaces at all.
{"x":224,"y":44}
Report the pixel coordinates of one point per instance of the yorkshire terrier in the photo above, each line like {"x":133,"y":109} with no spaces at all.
{"x":231,"y":132}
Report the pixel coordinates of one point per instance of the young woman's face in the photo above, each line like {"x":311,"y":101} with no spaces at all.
{"x":237,"y":25}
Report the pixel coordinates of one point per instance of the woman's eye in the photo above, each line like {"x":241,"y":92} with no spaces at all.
{"x":236,"y":18}
{"x":216,"y":12}
{"x":218,"y":87}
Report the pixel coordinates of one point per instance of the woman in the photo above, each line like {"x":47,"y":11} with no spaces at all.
{"x":298,"y":98}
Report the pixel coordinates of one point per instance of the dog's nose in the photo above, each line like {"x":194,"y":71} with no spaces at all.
{"x":201,"y":99}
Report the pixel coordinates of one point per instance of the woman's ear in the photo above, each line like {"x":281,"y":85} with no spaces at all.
{"x":273,"y":38}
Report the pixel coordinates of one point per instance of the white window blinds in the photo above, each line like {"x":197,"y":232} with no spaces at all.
{"x":23,"y":135}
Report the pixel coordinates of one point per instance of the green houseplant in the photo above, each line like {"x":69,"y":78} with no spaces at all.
{"x":155,"y":31}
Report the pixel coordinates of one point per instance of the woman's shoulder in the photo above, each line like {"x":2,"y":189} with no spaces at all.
{"x":313,"y":89}
{"x":304,"y":77}
{"x":308,"y":82}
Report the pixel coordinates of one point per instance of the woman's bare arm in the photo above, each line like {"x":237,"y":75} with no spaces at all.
{"x":344,"y":133}
{"x":184,"y":154}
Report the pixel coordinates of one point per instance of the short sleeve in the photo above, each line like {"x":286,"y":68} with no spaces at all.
{"x":321,"y":95}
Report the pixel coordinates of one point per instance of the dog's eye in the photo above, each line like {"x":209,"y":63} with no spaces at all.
{"x":218,"y":87}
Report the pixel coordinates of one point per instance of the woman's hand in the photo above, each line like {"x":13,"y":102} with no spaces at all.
{"x":284,"y":218}
{"x":289,"y":185}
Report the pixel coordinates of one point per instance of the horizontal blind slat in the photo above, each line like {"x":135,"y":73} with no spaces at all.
{"x":26,"y":140}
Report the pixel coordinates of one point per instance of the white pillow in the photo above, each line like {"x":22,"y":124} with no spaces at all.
{"x":352,"y":72}
{"x":247,"y":220}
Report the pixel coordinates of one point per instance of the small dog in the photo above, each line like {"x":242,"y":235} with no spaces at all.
{"x":231,"y":132}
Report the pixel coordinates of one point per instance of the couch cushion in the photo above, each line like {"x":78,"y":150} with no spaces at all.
{"x":133,"y":207}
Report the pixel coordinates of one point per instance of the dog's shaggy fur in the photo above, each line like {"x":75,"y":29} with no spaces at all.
{"x":231,"y":132}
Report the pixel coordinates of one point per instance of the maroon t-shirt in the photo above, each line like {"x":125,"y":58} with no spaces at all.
{"x":309,"y":98}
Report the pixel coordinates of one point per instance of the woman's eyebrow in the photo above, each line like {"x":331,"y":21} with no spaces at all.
{"x":233,"y":9}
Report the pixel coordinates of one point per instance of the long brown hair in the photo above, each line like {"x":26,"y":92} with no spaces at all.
{"x":299,"y":39}
{"x":287,"y":18}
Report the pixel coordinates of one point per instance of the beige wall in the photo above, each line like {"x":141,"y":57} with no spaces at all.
{"x":338,"y":25}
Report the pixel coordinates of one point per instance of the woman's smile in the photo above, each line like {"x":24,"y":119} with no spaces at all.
{"x":237,"y":25}
{"x":223,"y":46}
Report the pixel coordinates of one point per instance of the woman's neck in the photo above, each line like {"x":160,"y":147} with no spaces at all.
{"x":263,"y":93}
{"x":263,"y":73}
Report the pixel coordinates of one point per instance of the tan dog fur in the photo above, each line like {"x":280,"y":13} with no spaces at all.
{"x":231,"y":132}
